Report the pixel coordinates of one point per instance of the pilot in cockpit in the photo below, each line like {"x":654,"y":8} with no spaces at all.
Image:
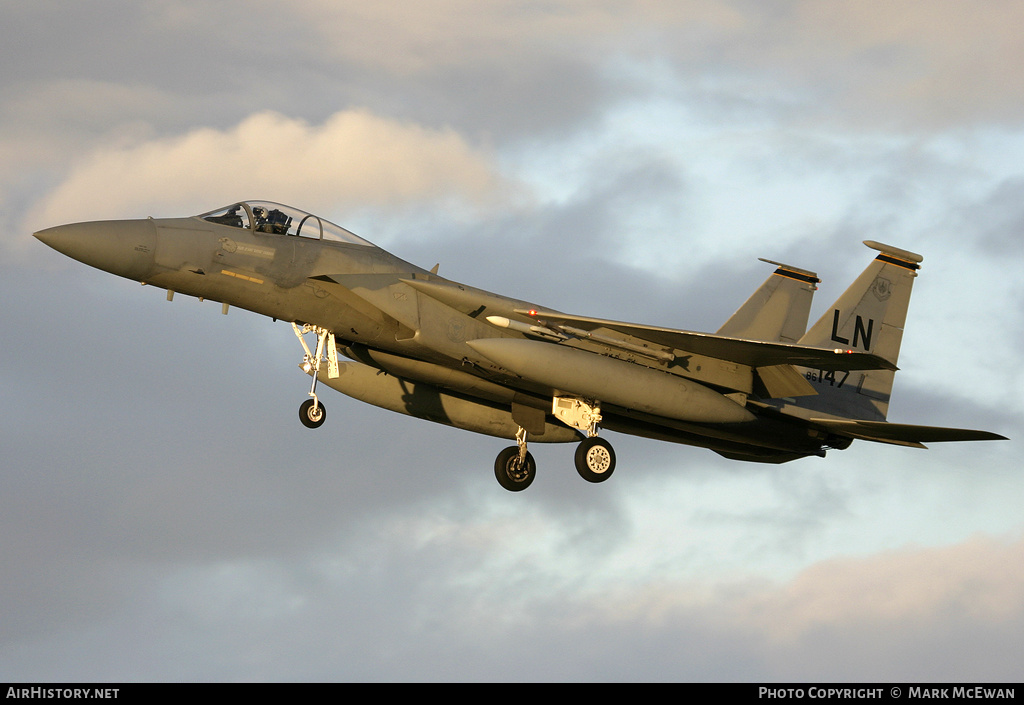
{"x":271,"y":221}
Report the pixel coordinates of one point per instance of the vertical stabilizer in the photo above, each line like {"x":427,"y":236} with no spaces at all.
{"x":869,"y":317}
{"x":778,"y":311}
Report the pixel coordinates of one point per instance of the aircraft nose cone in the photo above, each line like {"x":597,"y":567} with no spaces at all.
{"x":121,"y":247}
{"x":66,"y":239}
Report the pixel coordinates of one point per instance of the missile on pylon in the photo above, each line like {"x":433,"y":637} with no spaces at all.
{"x":530,"y":329}
{"x":611,"y":381}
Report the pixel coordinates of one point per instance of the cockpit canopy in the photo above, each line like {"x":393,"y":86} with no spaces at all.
{"x":274,"y":218}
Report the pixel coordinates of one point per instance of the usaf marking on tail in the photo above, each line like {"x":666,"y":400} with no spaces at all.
{"x":763,"y":388}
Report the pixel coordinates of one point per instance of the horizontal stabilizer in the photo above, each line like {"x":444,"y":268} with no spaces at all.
{"x":903,"y":434}
{"x":744,"y":352}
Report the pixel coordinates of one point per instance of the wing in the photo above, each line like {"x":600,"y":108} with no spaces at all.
{"x":753,"y":353}
{"x":903,"y":434}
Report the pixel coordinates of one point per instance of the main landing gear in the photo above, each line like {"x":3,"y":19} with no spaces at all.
{"x":515,"y":467}
{"x":595,"y":459}
{"x":312,"y":412}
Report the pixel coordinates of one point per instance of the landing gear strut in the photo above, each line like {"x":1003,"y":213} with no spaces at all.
{"x":515,"y":467}
{"x":312,"y":413}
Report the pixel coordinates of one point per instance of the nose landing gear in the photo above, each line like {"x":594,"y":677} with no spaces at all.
{"x":312,"y":413}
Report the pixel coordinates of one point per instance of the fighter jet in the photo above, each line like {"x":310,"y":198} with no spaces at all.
{"x":762,"y":389}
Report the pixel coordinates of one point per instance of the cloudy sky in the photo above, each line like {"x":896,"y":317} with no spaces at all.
{"x":164,"y":516}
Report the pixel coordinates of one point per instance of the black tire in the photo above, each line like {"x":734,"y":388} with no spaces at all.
{"x":508,"y":473}
{"x":595,"y":459}
{"x":311,"y":418}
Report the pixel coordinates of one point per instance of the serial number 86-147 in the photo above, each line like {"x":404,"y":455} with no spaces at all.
{"x":823,"y":377}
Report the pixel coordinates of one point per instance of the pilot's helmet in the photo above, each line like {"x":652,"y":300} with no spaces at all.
{"x":260,"y":212}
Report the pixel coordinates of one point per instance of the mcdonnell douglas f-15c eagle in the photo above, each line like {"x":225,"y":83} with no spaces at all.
{"x":760,"y":389}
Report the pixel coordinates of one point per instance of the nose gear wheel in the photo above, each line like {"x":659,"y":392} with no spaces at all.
{"x":312,"y":413}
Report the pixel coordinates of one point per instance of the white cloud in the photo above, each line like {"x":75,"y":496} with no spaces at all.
{"x":352,"y":159}
{"x":981,"y":579}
